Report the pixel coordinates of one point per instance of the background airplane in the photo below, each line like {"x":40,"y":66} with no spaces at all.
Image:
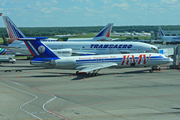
{"x":141,"y":34}
{"x":77,"y":48}
{"x":44,"y":57}
{"x":138,"y":34}
{"x":123,"y":34}
{"x":146,"y":34}
{"x":171,"y":39}
{"x":103,"y":35}
{"x":14,"y":33}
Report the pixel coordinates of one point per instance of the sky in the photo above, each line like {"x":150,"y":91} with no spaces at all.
{"x":69,"y":13}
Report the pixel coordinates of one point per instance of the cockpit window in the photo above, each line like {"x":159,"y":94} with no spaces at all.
{"x":153,"y":50}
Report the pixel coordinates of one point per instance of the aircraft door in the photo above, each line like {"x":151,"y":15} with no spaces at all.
{"x":140,"y":49}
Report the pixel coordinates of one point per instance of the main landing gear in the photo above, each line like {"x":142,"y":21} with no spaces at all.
{"x":94,"y":73}
{"x":155,"y":68}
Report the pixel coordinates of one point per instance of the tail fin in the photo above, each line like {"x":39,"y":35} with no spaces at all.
{"x":38,"y":49}
{"x":105,"y":31}
{"x":2,"y":51}
{"x":161,"y":33}
{"x":12,"y":29}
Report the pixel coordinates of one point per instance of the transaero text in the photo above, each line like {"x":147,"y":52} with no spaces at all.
{"x":111,"y":46}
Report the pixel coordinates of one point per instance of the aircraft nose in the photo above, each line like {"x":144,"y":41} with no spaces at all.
{"x":170,"y":60}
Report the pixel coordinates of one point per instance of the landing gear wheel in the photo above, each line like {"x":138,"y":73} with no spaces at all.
{"x":96,"y":74}
{"x":92,"y":74}
{"x":150,"y":71}
{"x":89,"y":74}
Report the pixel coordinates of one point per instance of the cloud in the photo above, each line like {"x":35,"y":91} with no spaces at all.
{"x":54,"y":1}
{"x":89,"y":2}
{"x":135,"y":0}
{"x":46,"y":10}
{"x":2,"y":4}
{"x":77,"y":1}
{"x":75,"y":8}
{"x":106,"y":1}
{"x":113,"y":15}
{"x":93,"y":10}
{"x":169,"y":1}
{"x":122,"y":5}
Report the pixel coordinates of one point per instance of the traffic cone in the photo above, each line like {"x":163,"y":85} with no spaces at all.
{"x":16,"y":76}
{"x":45,"y":71}
{"x":104,"y":72}
{"x":84,"y":79}
{"x":58,"y":73}
{"x":115,"y":74}
{"x":71,"y":75}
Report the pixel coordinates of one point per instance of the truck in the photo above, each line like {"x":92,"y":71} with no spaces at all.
{"x":7,"y":59}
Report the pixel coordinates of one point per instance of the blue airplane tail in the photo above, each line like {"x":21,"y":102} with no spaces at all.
{"x":12,"y":29}
{"x":39,"y":49}
{"x":161,"y":33}
{"x":105,"y":31}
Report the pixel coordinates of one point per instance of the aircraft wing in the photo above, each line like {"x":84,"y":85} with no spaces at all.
{"x":65,"y":36}
{"x":17,"y":50}
{"x":88,"y":68}
{"x":84,"y":53}
{"x":12,"y":48}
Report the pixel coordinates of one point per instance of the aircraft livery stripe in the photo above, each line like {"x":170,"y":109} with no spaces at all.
{"x":9,"y":30}
{"x":33,"y":48}
{"x":116,"y":60}
{"x":29,"y":48}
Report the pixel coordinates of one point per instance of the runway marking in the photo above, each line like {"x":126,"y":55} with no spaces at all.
{"x":26,"y":102}
{"x":33,"y":99}
{"x":49,"y":102}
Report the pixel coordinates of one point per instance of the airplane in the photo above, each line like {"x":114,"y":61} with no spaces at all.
{"x":169,"y":39}
{"x":43,"y":56}
{"x":146,"y":34}
{"x":76,"y":48}
{"x":123,"y":34}
{"x":103,"y":35}
{"x":142,"y":34}
{"x":138,"y":34}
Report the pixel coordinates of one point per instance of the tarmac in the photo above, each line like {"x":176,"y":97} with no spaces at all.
{"x":37,"y":93}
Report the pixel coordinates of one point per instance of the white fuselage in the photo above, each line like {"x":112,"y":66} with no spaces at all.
{"x":95,"y":47}
{"x":122,"y":60}
{"x":171,"y":38}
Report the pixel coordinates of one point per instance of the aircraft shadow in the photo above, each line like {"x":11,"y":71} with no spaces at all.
{"x":137,"y":71}
{"x":176,"y":108}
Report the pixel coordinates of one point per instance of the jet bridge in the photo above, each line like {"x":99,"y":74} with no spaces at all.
{"x":172,"y":51}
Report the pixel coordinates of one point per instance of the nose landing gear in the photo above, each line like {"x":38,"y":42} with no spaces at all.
{"x":155,"y":68}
